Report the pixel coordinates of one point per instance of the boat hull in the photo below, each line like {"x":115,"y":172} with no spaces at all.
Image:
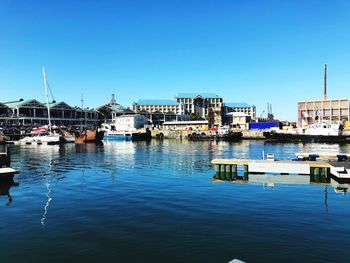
{"x":231,"y":137}
{"x":288,"y":137}
{"x":89,"y":136}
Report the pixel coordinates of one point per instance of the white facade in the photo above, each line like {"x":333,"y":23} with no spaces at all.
{"x":199,"y":103}
{"x":125,"y":124}
{"x":162,"y":106}
{"x":249,"y":110}
{"x":310,"y":112}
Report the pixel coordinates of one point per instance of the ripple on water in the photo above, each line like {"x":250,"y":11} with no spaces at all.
{"x":132,"y":202}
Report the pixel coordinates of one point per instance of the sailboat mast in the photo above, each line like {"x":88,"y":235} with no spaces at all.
{"x":47,"y":100}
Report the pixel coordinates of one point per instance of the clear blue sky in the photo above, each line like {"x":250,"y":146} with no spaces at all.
{"x":245,"y":51}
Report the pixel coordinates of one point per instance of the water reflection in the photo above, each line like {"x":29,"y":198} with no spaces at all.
{"x":272,"y":181}
{"x":122,"y":199}
{"x":5,"y":184}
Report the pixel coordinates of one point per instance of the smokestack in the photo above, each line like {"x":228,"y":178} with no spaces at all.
{"x":325,"y":83}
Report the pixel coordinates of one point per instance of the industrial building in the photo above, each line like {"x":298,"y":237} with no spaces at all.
{"x":323,"y":110}
{"x":330,"y":110}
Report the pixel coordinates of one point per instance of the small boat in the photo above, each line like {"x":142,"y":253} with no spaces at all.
{"x":44,"y":134}
{"x":231,"y":137}
{"x":43,"y":137}
{"x":89,"y":136}
{"x":142,"y":136}
{"x":223,"y":133}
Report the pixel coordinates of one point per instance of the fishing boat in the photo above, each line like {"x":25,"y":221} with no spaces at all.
{"x":44,"y":134}
{"x":321,"y":132}
{"x":87,"y":136}
{"x":223,"y":133}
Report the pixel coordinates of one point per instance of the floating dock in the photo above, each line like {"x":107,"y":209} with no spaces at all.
{"x":319,"y":171}
{"x":5,"y":170}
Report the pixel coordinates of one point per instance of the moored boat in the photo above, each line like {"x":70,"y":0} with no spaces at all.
{"x":323,"y":132}
{"x":223,"y":133}
{"x":44,"y":134}
{"x":89,"y":136}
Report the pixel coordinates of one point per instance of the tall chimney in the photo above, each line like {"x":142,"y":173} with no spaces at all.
{"x":325,"y":83}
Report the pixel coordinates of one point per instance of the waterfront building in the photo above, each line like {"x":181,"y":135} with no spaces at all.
{"x":318,"y":110}
{"x":238,"y":119}
{"x":242,"y":107}
{"x":199,"y":103}
{"x":158,"y":105}
{"x":190,"y":126}
{"x":135,"y":121}
{"x":112,"y":109}
{"x":158,"y":111}
{"x":124,"y":124}
{"x":4,"y":110}
{"x":33,"y":113}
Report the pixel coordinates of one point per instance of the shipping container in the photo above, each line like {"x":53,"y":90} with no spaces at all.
{"x":262,"y":125}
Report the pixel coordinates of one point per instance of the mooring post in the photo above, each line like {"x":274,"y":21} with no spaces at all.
{"x":228,"y":172}
{"x":245,"y":174}
{"x":323,"y":175}
{"x":217,"y":171}
{"x":234,"y":172}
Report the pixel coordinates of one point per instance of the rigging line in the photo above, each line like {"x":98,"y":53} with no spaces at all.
{"x":48,"y":85}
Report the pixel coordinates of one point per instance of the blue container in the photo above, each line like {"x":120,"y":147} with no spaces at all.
{"x":262,"y":125}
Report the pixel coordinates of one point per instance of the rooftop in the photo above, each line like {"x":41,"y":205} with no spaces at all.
{"x":238,"y":105}
{"x":157,"y":102}
{"x":193,"y":95}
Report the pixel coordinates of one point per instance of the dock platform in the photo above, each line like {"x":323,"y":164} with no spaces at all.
{"x":319,"y":171}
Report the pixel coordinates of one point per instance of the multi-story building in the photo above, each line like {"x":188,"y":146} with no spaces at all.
{"x":242,"y":107}
{"x":32,"y":112}
{"x":199,"y":103}
{"x":319,"y":110}
{"x":162,"y":106}
{"x":158,"y":111}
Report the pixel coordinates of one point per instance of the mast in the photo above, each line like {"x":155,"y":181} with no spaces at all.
{"x":47,"y":100}
{"x":325,"y":83}
{"x":82,"y":112}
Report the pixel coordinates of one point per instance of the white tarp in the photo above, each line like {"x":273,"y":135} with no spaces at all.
{"x":279,"y":167}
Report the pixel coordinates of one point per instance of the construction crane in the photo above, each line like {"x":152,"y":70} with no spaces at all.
{"x":270,"y":115}
{"x":262,"y":114}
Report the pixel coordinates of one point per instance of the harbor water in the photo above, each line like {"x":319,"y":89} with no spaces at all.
{"x":157,"y":202}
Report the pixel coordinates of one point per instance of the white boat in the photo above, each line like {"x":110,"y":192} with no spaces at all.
{"x":44,"y":136}
{"x":112,"y":130}
{"x":324,"y":131}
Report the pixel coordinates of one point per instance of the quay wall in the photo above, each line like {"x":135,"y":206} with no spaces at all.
{"x":176,"y":134}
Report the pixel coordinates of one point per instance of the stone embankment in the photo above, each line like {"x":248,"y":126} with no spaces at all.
{"x":175,"y":134}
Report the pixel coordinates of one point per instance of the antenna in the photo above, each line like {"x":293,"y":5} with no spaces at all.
{"x":325,"y":83}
